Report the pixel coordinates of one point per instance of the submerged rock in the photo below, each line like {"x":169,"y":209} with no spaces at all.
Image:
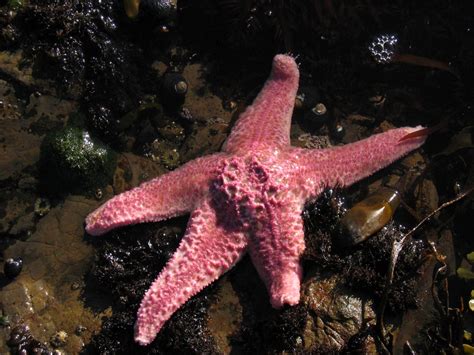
{"x":24,"y":122}
{"x":41,"y":297}
{"x":335,"y":314}
{"x":71,"y":160}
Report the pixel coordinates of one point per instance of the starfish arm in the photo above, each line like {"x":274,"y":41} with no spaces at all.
{"x":166,"y":196}
{"x":275,"y":248}
{"x":266,"y":123}
{"x":207,"y":250}
{"x":345,"y":165}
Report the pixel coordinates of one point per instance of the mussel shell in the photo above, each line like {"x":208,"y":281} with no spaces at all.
{"x":160,"y":10}
{"x":368,"y":216}
{"x":12,"y":267}
{"x":131,"y":7}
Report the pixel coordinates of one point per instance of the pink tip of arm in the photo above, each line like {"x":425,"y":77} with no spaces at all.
{"x":422,"y":132}
{"x":266,"y":123}
{"x":344,"y":165}
{"x":284,"y":66}
{"x":276,"y":248}
{"x":353,"y":162}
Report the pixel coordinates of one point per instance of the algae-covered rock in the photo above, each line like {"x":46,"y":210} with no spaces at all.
{"x":71,"y":160}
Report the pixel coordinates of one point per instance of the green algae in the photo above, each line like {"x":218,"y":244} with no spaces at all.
{"x":465,"y":274}
{"x":73,"y":161}
{"x":470,"y":257}
{"x":15,"y":4}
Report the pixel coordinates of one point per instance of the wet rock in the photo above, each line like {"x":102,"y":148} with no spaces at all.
{"x":28,"y":183}
{"x":427,"y":198}
{"x":309,"y":141}
{"x":365,"y":342}
{"x":210,"y":120}
{"x":360,"y":119}
{"x":338,"y":313}
{"x":72,"y":160}
{"x":21,"y":142}
{"x":132,"y":170}
{"x":353,"y":130}
{"x":24,"y":224}
{"x":224,"y":316}
{"x":19,"y":148}
{"x":165,"y":154}
{"x":53,"y":257}
{"x":205,"y":138}
{"x":415,"y":322}
{"x":18,"y":151}
{"x":11,"y":64}
{"x":199,"y":100}
{"x":149,"y":111}
{"x":48,"y":113}
{"x":172,"y":132}
{"x":10,"y":106}
{"x":14,"y":205}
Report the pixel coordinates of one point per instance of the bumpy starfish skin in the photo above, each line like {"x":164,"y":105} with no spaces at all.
{"x":249,"y":197}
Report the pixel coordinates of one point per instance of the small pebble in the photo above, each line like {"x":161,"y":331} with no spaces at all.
{"x":338,"y":131}
{"x":320,"y":109}
{"x":229,"y":105}
{"x":98,"y":194}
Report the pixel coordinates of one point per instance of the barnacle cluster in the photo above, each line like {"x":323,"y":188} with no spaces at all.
{"x":383,"y":48}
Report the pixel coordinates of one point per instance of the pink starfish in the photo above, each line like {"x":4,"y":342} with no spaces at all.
{"x":249,"y":197}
